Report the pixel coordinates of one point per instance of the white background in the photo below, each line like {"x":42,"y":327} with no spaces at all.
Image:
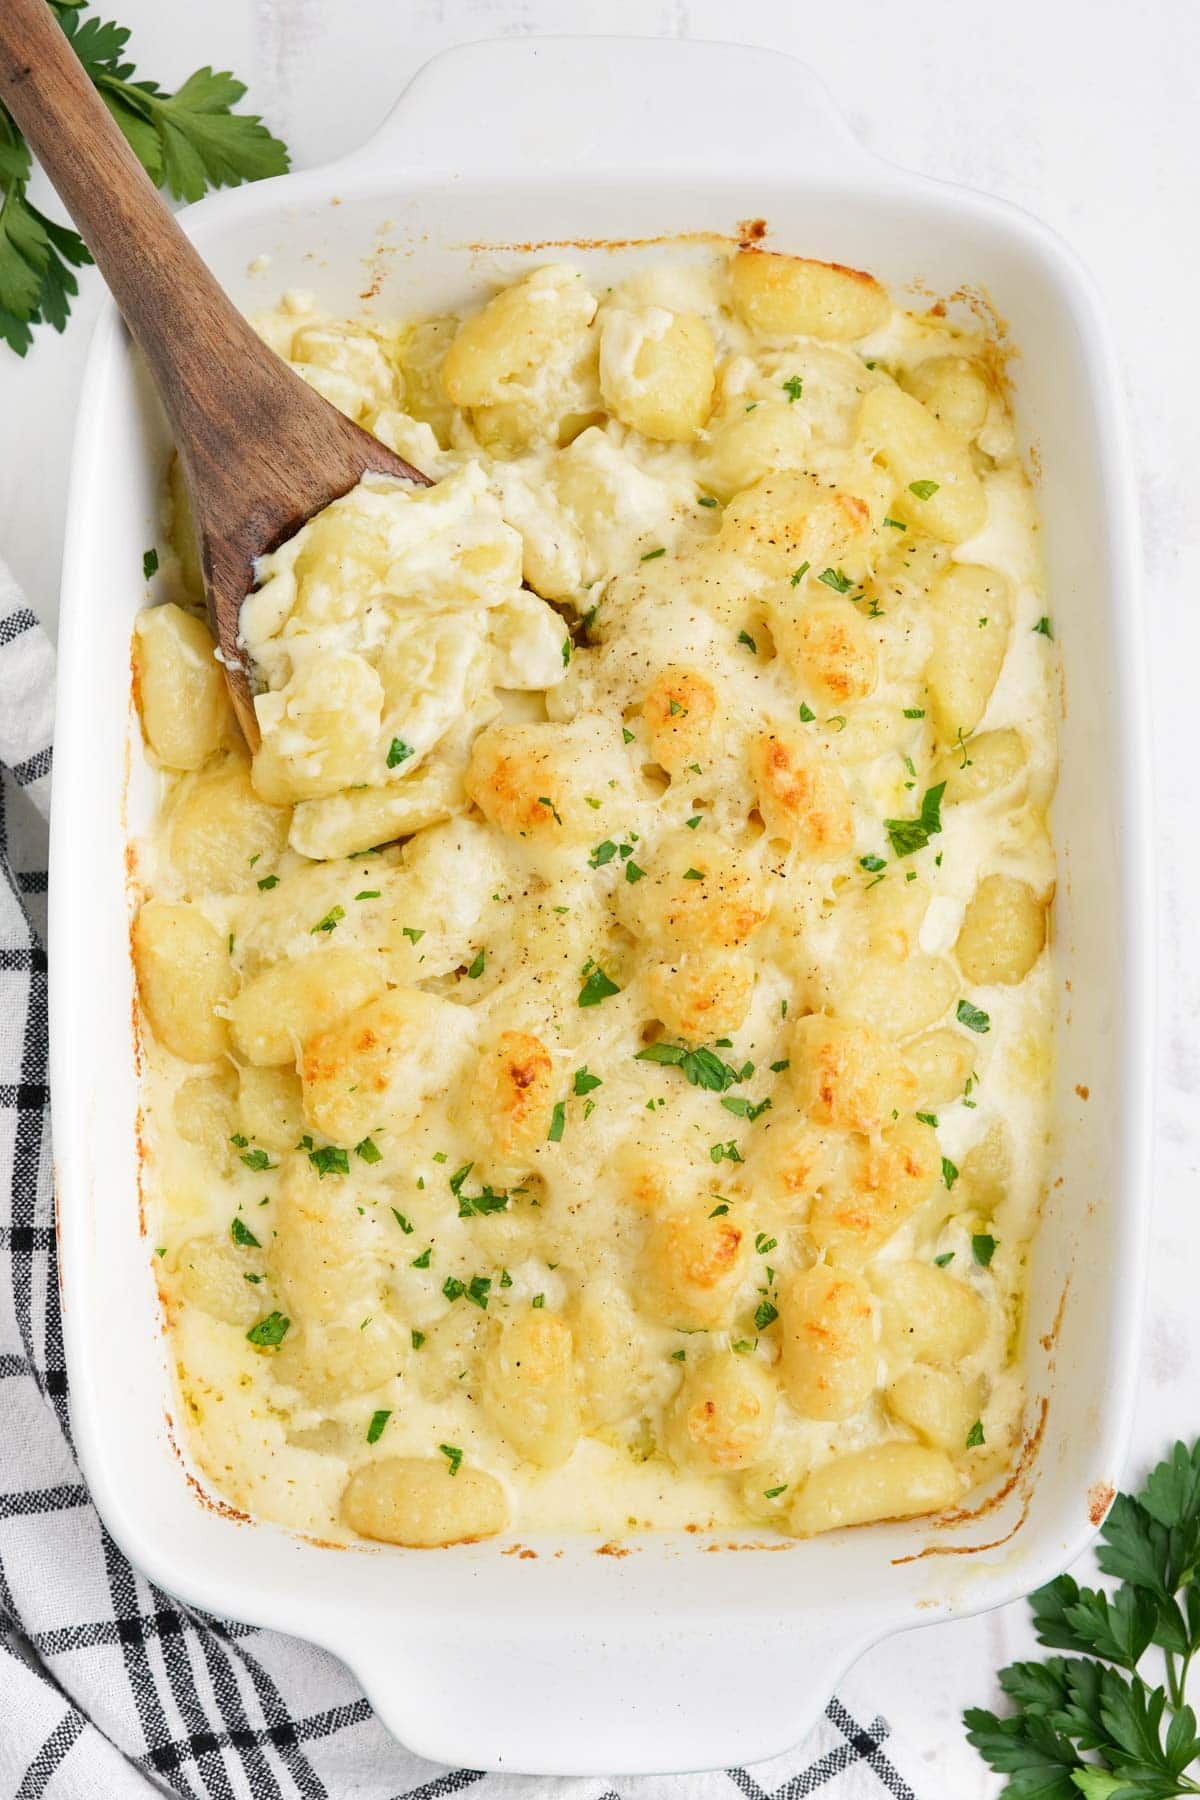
{"x":1084,"y":111}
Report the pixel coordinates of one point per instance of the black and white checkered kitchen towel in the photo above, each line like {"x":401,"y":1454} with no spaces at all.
{"x":109,"y":1689}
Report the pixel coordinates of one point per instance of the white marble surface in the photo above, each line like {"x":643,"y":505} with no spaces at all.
{"x":1082,"y":110}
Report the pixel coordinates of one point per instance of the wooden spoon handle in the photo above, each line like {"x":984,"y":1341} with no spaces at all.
{"x":171,"y":303}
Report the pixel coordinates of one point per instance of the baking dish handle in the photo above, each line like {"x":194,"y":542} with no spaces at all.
{"x":613,"y":1697}
{"x":566,"y":104}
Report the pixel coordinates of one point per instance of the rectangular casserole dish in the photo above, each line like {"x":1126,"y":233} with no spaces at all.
{"x":637,"y":1662}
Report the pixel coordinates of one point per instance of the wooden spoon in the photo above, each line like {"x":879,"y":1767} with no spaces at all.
{"x":261,"y":451}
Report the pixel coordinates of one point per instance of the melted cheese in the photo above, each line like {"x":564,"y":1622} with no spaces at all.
{"x":415,"y":601}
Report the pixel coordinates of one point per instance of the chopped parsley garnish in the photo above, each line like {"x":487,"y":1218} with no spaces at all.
{"x":422,"y":1261}
{"x":928,"y":1119}
{"x":544,"y":800}
{"x":267,"y":883}
{"x":378,"y":1421}
{"x":765,"y":1314}
{"x":585,"y":1081}
{"x":558,"y":1123}
{"x":743,"y":637}
{"x":947,"y":1256}
{"x":807,"y":715}
{"x":404,"y":1224}
{"x":725,"y":1152}
{"x":896,"y":524}
{"x":706,"y":500}
{"x":1045,"y":628}
{"x":719,"y":1210}
{"x":924,"y":490}
{"x":149,"y":563}
{"x":872,"y":864}
{"x":369,"y":1151}
{"x":632,"y":873}
{"x":914,"y":712}
{"x":453,"y":1288}
{"x":764,"y":1244}
{"x":368,"y":894}
{"x":777,"y":1068}
{"x":329,"y":1159}
{"x":907,"y":836}
{"x":626,"y":734}
{"x":270,"y":1332}
{"x":743,"y":1108}
{"x":949,"y":1172}
{"x":539,"y":1300}
{"x":793,"y":387}
{"x":418,"y":1338}
{"x":797,"y":575}
{"x":453,"y":1455}
{"x":413,"y":933}
{"x":983,"y":1248}
{"x":650,"y":555}
{"x":695,"y":820}
{"x":476,"y":968}
{"x":242,"y":1234}
{"x":477,"y":1290}
{"x":692,"y":875}
{"x":702,"y":1068}
{"x":774,"y":1493}
{"x":258,"y":1160}
{"x":603,"y":853}
{"x":596,"y":984}
{"x":566,"y":649}
{"x":833,"y":578}
{"x":398,"y":752}
{"x":975,"y":1435}
{"x":973,"y":1017}
{"x":679,"y":1356}
{"x":331,"y":921}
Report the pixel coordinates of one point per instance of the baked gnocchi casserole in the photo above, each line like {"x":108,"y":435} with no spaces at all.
{"x":597,"y":1048}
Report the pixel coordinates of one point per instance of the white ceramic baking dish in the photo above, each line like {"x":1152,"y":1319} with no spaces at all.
{"x":673,"y":1656}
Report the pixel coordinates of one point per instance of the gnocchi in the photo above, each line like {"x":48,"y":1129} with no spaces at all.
{"x":595,"y":1049}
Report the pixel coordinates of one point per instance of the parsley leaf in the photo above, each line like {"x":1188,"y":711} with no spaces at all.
{"x":241,"y":1234}
{"x":270,"y":1332}
{"x":793,"y":387}
{"x":703,"y":1068}
{"x":379,"y":1420}
{"x":398,"y":752}
{"x":973,"y":1017}
{"x":596,"y":984}
{"x":1094,"y":1701}
{"x":189,"y":141}
{"x":328,"y":1159}
{"x":833,"y":578}
{"x":924,"y":490}
{"x":907,"y":836}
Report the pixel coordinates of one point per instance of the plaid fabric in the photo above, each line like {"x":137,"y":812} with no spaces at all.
{"x":108,"y":1687}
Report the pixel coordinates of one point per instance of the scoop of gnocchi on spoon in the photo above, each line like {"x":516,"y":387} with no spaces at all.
{"x":261,"y":451}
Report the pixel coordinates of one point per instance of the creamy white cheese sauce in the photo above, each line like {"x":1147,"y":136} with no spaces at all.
{"x":399,"y":618}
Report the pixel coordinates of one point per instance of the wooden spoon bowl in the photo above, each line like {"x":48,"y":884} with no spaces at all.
{"x":261,"y":451}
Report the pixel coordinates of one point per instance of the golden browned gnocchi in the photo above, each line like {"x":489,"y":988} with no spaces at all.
{"x":596,"y":1047}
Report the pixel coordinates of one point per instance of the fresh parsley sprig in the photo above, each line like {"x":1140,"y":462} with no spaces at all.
{"x":1089,"y":1723}
{"x":187,"y":142}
